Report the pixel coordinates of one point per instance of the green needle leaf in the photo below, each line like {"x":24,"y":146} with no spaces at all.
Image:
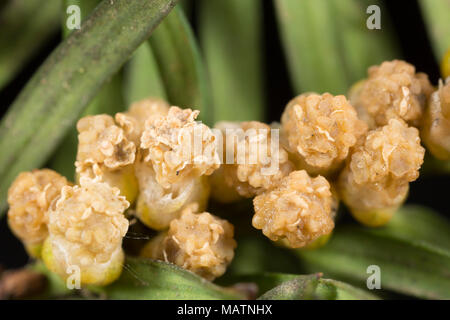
{"x":25,"y":26}
{"x":86,"y":8}
{"x":142,"y":77}
{"x":300,"y":288}
{"x":419,"y":225}
{"x":231,"y":37}
{"x":180,"y":65}
{"x":150,"y":279}
{"x":311,"y":46}
{"x":437,"y":19}
{"x":359,"y":46}
{"x":328,"y":46}
{"x":336,"y":290}
{"x":68,"y":80}
{"x":326,"y":289}
{"x":109,"y":100}
{"x":412,"y":252}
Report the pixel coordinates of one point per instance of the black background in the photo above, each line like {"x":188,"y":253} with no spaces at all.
{"x":415,"y":44}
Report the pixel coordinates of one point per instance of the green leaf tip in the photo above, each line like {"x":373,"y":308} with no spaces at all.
{"x":300,"y":288}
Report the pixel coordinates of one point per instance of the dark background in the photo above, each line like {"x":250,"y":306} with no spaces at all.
{"x":409,"y":27}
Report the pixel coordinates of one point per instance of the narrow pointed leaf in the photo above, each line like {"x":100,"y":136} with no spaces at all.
{"x":311,"y":46}
{"x":231,"y":38}
{"x":412,"y":253}
{"x":327,"y":44}
{"x":180,"y":64}
{"x":336,"y":290}
{"x":419,"y":225}
{"x":359,"y":46}
{"x":108,"y":100}
{"x":63,"y":86}
{"x":300,"y":288}
{"x":86,"y":8}
{"x":142,"y":77}
{"x":24,"y":27}
{"x":437,"y":19}
{"x":327,"y":289}
{"x":149,"y":279}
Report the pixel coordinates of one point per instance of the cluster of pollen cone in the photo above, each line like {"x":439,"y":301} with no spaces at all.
{"x":363,"y":150}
